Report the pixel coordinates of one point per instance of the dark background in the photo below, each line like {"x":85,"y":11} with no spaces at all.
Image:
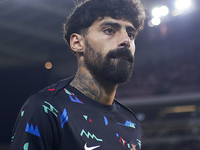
{"x":164,"y":91}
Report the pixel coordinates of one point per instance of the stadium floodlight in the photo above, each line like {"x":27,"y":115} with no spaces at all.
{"x":164,"y":10}
{"x":182,"y":4}
{"x":155,"y":21}
{"x":156,"y":12}
{"x":160,"y":11}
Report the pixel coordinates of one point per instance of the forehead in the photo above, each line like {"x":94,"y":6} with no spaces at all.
{"x":121,"y":22}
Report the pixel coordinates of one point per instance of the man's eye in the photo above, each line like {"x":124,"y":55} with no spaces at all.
{"x":109,"y":31}
{"x":131,"y":36}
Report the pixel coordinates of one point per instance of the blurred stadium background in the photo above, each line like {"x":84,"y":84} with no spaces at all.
{"x":164,"y":91}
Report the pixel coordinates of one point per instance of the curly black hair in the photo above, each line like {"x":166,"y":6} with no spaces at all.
{"x":89,"y":11}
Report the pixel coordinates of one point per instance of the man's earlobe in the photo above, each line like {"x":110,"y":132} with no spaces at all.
{"x":77,"y":42}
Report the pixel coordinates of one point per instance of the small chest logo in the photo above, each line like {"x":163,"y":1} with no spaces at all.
{"x":90,"y":148}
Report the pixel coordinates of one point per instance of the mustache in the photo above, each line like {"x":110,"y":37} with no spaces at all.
{"x":121,"y":53}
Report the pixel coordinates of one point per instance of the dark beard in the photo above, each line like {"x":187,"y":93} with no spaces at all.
{"x":116,"y":67}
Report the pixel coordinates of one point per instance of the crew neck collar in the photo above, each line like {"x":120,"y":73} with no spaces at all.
{"x":88,"y":101}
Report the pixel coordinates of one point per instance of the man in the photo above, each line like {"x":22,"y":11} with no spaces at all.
{"x":81,"y":113}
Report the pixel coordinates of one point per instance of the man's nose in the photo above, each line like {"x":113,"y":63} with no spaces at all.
{"x":124,"y":39}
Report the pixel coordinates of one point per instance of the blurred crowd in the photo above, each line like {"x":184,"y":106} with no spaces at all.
{"x":192,"y":144}
{"x":175,"y":74}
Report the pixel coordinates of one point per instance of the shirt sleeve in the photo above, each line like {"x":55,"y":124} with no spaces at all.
{"x":36,"y":126}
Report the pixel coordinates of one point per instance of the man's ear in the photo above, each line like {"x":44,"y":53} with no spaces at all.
{"x":77,"y":42}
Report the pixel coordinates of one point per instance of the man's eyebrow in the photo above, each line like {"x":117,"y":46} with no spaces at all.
{"x":131,"y":28}
{"x":113,"y":24}
{"x":117,"y":25}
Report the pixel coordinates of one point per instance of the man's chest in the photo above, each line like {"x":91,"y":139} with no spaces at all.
{"x":86,"y":128}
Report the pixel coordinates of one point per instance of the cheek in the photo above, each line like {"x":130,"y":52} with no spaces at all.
{"x":100,"y":47}
{"x":132,"y":47}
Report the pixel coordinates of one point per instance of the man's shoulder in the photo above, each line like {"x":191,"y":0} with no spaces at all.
{"x":55,"y":88}
{"x":125,"y":109}
{"x":48,"y":93}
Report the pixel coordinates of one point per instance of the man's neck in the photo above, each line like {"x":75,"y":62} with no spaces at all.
{"x":98,"y":90}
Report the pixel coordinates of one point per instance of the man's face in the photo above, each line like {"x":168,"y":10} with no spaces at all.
{"x":109,"y":50}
